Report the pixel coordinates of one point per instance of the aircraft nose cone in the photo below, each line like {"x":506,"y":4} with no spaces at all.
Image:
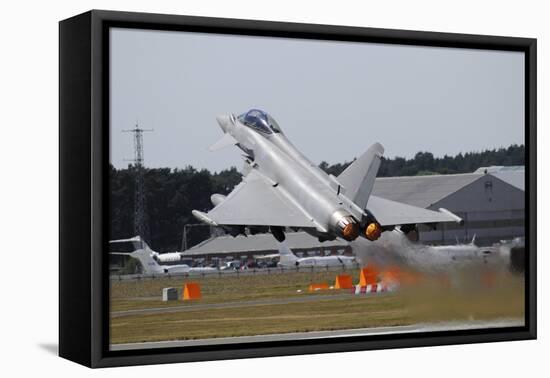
{"x":224,"y":122}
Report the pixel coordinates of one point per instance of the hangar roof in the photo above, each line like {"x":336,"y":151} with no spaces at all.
{"x":514,"y":178}
{"x":259,"y":242}
{"x":500,"y":168}
{"x":421,"y":191}
{"x":424,"y":191}
{"x":513,"y":174}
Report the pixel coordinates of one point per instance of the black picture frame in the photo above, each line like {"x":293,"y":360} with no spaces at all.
{"x":83,"y":196}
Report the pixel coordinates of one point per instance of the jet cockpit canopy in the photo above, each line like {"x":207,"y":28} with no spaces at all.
{"x":260,"y":121}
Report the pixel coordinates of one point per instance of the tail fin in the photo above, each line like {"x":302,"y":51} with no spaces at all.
{"x":286,"y":255}
{"x":358,"y":178}
{"x":145,"y":257}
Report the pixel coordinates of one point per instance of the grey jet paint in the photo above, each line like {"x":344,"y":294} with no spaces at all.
{"x":281,"y":188}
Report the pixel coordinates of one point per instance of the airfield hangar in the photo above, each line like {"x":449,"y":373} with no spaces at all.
{"x":491,"y":201}
{"x":250,"y":247}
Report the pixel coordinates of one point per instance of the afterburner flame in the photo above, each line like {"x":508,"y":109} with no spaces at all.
{"x":373,"y":231}
{"x":350,"y":231}
{"x":345,"y":225}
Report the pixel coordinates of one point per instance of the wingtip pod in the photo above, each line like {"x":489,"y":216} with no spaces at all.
{"x":456,"y":218}
{"x":203,"y":217}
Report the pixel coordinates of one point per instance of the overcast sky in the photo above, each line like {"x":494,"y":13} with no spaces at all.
{"x":332,"y":99}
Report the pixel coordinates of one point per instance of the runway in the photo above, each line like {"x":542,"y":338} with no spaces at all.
{"x":423,"y":327}
{"x":260,"y":302}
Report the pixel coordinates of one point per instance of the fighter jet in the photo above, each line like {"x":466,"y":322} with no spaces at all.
{"x":281,"y":188}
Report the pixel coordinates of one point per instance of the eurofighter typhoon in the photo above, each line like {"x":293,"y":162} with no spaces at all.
{"x":281,"y":188}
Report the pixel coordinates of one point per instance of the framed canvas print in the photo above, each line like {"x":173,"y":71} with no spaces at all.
{"x":235,"y":188}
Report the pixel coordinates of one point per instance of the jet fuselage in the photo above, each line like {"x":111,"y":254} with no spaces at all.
{"x":299,"y":180}
{"x":281,"y":188}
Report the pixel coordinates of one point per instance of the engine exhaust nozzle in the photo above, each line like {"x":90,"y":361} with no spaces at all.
{"x":345,"y":225}
{"x":373,"y":231}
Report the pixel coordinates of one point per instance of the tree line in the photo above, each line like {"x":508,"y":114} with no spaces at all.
{"x":424,"y":163}
{"x":171,"y":194}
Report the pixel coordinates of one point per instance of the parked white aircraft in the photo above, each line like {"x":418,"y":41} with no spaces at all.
{"x":464,"y":253}
{"x":289,"y":259}
{"x":394,"y":248}
{"x":149,"y":258}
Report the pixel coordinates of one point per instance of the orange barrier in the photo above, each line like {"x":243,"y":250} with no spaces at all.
{"x":369,"y":276}
{"x":191,"y":290}
{"x":318,"y":286}
{"x":343,"y":281}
